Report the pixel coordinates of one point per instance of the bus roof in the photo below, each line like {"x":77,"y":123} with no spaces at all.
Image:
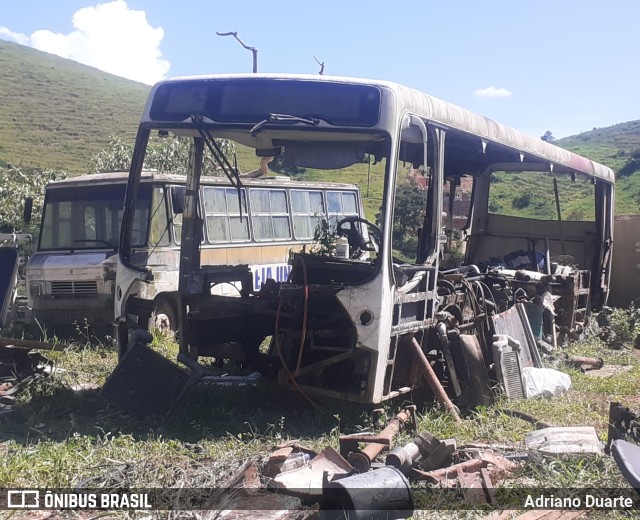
{"x":172,"y":178}
{"x":438,"y":112}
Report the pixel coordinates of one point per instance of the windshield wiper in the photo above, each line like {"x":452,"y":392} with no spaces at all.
{"x":284,"y":118}
{"x":231,"y":172}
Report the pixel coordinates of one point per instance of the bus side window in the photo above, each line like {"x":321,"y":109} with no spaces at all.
{"x":176,"y":199}
{"x":412,"y":185}
{"x":159,"y":225}
{"x":308,"y":209}
{"x":341,"y":204}
{"x":224,"y":222}
{"x":270,"y":214}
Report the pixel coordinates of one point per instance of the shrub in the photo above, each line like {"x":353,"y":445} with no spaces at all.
{"x":15,"y":185}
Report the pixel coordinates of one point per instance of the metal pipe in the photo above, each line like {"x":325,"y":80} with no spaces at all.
{"x":30,"y":344}
{"x":595,"y":363}
{"x":361,"y":460}
{"x":432,"y":380}
{"x":403,"y":457}
{"x":372,"y":450}
{"x":547,"y":256}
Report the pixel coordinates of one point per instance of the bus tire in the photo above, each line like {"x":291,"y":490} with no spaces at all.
{"x":164,"y":317}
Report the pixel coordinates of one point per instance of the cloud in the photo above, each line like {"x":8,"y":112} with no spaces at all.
{"x":6,"y":34}
{"x":109,"y":36}
{"x":492,"y":92}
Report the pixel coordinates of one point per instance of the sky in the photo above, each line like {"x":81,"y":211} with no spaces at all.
{"x":565,"y":66}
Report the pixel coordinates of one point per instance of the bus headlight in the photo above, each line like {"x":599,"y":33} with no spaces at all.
{"x":35,"y":289}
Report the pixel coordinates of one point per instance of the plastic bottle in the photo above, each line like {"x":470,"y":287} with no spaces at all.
{"x":342,"y":248}
{"x":295,"y":461}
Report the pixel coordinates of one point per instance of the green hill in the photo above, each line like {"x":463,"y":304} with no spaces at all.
{"x":56,"y":113}
{"x":618,"y":147}
{"x":613,"y":145}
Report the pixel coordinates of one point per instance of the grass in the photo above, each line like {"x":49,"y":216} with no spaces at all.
{"x":56,"y":113}
{"x":61,"y":437}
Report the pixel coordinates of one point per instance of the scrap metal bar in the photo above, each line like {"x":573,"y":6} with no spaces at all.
{"x":30,"y":344}
{"x":555,"y":192}
{"x":437,"y":475}
{"x":594,"y":363}
{"x":432,"y":380}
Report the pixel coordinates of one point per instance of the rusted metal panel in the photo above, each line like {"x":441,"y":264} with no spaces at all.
{"x":306,"y":481}
{"x":625,"y":268}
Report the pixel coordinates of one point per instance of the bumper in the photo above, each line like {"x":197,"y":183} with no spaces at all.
{"x":51,"y":312}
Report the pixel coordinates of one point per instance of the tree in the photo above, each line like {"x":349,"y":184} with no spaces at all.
{"x":16,"y":184}
{"x":115,"y":157}
{"x":165,"y":154}
{"x":548,"y":136}
{"x":631,"y":166}
{"x":408,"y":217}
{"x":410,"y":205}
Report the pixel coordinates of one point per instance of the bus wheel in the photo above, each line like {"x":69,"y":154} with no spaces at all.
{"x":164,"y":316}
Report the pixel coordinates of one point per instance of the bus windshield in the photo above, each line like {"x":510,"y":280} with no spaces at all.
{"x":89,"y":217}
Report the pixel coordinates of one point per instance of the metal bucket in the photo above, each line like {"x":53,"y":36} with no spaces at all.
{"x":383,"y":493}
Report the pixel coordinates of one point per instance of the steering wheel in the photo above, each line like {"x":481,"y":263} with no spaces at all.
{"x":356,"y":240}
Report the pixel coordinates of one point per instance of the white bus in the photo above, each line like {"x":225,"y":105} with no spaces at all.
{"x":368,"y":328}
{"x":71,"y":277}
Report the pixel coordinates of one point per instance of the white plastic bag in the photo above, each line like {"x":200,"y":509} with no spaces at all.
{"x":544,"y":381}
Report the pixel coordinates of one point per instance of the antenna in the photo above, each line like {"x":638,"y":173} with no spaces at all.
{"x":321,"y":65}
{"x":252,"y":49}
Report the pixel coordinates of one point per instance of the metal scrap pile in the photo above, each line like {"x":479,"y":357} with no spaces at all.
{"x":19,"y":367}
{"x":354,"y":483}
{"x":369,"y":478}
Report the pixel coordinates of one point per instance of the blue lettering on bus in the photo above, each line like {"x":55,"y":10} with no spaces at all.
{"x":277,"y":272}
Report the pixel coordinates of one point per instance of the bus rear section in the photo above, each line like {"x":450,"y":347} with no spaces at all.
{"x":550,"y":233}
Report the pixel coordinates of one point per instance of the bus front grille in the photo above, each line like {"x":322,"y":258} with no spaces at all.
{"x":73,"y":288}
